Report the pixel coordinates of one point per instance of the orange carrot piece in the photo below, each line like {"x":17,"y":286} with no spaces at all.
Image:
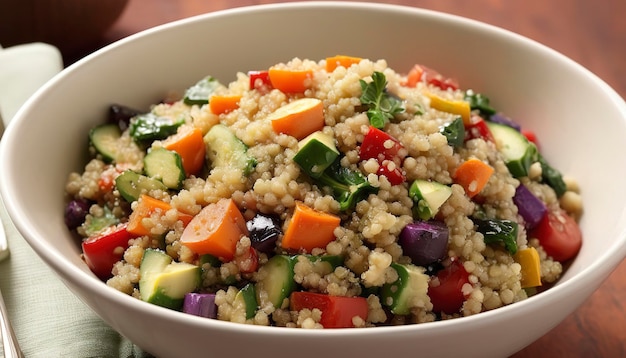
{"x":299,"y":118}
{"x":215,"y":230}
{"x":188,"y":143}
{"x":147,"y":206}
{"x":309,"y":229}
{"x":220,"y":104}
{"x":340,"y":60}
{"x":414,"y":76}
{"x":473,"y":175}
{"x":289,"y":80}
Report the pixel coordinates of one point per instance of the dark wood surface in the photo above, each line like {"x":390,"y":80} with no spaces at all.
{"x":592,"y":33}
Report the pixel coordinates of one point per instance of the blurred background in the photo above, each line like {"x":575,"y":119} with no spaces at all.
{"x":590,"y":32}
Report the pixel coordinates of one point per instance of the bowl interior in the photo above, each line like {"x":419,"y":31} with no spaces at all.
{"x":574,"y":114}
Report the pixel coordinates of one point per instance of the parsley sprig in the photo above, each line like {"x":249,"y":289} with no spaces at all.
{"x":382,"y":106}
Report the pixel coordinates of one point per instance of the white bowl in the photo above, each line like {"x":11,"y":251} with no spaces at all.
{"x":580,"y":122}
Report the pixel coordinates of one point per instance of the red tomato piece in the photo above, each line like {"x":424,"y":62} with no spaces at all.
{"x":102,"y":251}
{"x":478,"y":129}
{"x":448,"y":295}
{"x":559,"y":234}
{"x":337,"y":312}
{"x":248,"y":262}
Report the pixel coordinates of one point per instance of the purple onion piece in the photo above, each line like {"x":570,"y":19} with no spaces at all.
{"x":75,"y":213}
{"x":502,"y":119}
{"x":530,"y":208}
{"x":200,"y":304}
{"x":425,"y":242}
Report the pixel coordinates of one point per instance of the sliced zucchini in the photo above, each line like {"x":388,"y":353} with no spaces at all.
{"x":316,"y":152}
{"x":407,"y":291}
{"x":200,"y":92}
{"x":166,"y":166}
{"x":277,"y":279}
{"x":131,"y":185}
{"x":225,"y":149}
{"x":149,"y":127}
{"x":246,"y":299}
{"x":164,"y":282}
{"x":518,"y":152}
{"x":104,"y":139}
{"x":428,"y":196}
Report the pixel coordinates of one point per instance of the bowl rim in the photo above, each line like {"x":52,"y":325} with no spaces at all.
{"x":63,"y":268}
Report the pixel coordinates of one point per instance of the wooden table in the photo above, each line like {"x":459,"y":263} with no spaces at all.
{"x":592,"y":33}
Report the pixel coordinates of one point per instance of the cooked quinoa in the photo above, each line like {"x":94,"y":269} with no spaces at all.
{"x":367,"y":239}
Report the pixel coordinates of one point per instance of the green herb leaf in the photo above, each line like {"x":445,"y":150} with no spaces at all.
{"x":382,"y":106}
{"x":479,"y":102}
{"x":499,"y":231}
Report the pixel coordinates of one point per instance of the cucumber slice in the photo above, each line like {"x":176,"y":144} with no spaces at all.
{"x":225,"y":149}
{"x":200,"y":92}
{"x":104,"y":139}
{"x":132,"y":184}
{"x":332,"y":261}
{"x":277,"y":279}
{"x":428,"y":196}
{"x":407,"y":291}
{"x":164,"y":282}
{"x":166,"y":166}
{"x":518,"y":152}
{"x":316,"y":153}
{"x":246,"y":298}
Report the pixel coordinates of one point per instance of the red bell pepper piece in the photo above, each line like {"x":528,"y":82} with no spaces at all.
{"x":447,"y":295}
{"x":530,"y":135}
{"x":102,"y":251}
{"x":260,"y":80}
{"x":387,"y":151}
{"x":248,"y":262}
{"x":478,"y":129}
{"x":432,"y":77}
{"x":337,"y":312}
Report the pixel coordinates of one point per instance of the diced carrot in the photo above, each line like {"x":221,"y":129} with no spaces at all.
{"x":299,"y":118}
{"x":528,"y":258}
{"x":215,"y":230}
{"x":309,"y":229}
{"x":473,"y":175}
{"x":461,"y":108}
{"x":290,"y":80}
{"x":220,"y":104}
{"x":147,"y":206}
{"x":340,"y":60}
{"x":188,"y":143}
{"x":414,"y":76}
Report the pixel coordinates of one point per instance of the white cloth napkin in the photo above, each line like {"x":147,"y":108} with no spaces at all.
{"x":48,"y":319}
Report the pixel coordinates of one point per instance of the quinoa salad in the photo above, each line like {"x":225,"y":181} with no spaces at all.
{"x":330,"y":193}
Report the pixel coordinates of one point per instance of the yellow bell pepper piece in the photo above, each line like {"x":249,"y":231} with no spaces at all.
{"x":528,"y":258}
{"x":461,"y":108}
